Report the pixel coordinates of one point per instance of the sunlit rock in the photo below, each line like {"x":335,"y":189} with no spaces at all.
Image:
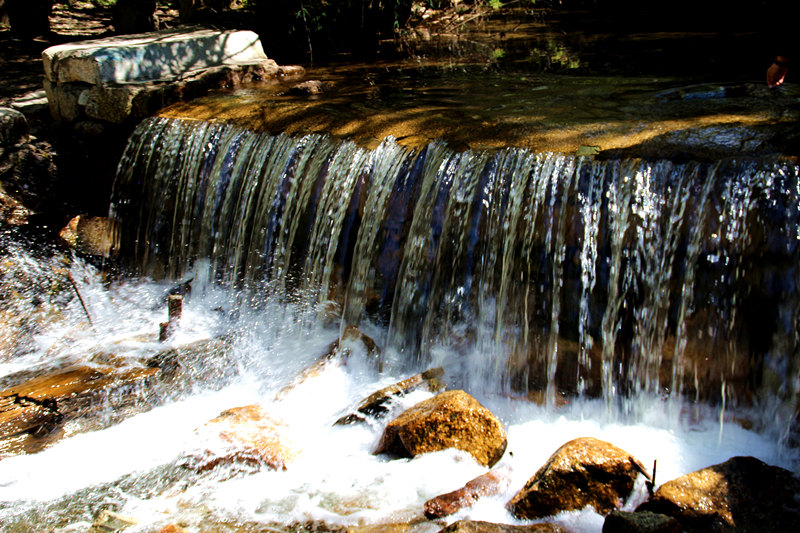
{"x":147,"y":57}
{"x":131,"y":76}
{"x":640,"y":522}
{"x":741,"y":494}
{"x":489,"y":484}
{"x":257,"y":440}
{"x":452,"y":419}
{"x":474,"y":526}
{"x":90,"y":235}
{"x":585,"y":471}
{"x":172,"y":528}
{"x":38,"y":407}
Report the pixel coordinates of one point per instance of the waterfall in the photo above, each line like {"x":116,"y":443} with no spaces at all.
{"x":543,"y":273}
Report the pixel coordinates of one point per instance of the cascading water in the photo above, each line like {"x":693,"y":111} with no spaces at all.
{"x":638,"y":301}
{"x":545,"y":273}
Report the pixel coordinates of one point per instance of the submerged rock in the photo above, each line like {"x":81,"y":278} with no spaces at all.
{"x":109,"y":521}
{"x":640,"y":522}
{"x":257,"y":440}
{"x":475,"y":526}
{"x":585,"y":471}
{"x":452,"y":419}
{"x":376,"y":403}
{"x":351,"y":341}
{"x":489,"y":484}
{"x":741,"y":494}
{"x":310,"y":87}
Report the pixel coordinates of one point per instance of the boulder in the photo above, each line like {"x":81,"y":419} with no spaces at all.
{"x":474,"y":526}
{"x":257,"y":440}
{"x":489,"y":484}
{"x":452,"y":419}
{"x":741,"y":494}
{"x":585,"y":471}
{"x":641,"y":522}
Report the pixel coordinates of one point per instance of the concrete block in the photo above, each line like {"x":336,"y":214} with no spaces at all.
{"x":147,"y":57}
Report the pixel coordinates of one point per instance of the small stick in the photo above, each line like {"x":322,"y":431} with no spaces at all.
{"x":650,"y":484}
{"x":174,"y":311}
{"x":80,"y":298}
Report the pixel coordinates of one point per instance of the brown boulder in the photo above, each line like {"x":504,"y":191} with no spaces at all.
{"x":452,"y":419}
{"x":475,"y":526}
{"x":584,"y":471}
{"x":741,"y":494}
{"x":641,"y":522}
{"x":257,"y":437}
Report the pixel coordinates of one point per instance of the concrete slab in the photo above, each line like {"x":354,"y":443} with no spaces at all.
{"x":149,"y":57}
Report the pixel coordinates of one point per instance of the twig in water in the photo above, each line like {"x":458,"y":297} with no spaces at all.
{"x":80,"y":298}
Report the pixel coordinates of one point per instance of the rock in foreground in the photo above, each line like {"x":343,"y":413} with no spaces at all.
{"x":741,"y":494}
{"x":452,"y":419}
{"x":583,"y":472}
{"x":489,"y":484}
{"x":641,"y":522}
{"x":474,"y":526}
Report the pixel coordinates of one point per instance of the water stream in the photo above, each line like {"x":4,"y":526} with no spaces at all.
{"x":652,"y":304}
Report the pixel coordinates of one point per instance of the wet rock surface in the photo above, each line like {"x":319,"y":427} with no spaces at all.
{"x":452,"y":419}
{"x":475,"y":526}
{"x":640,"y":522}
{"x":582,"y":472}
{"x":741,"y":494}
{"x":39,"y":407}
{"x":376,"y":404}
{"x":257,"y":440}
{"x":489,"y":484}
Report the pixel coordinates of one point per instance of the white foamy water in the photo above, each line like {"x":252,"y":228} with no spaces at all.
{"x":138,"y":466}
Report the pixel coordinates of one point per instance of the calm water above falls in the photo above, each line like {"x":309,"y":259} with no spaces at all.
{"x":625,"y":289}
